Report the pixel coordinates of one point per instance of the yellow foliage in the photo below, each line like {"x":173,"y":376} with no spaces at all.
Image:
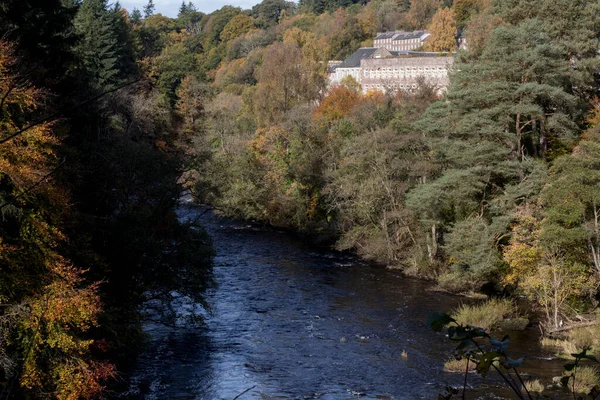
{"x":53,"y":318}
{"x":523,"y":253}
{"x":443,"y":31}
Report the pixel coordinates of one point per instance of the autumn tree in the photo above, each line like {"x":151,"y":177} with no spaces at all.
{"x":279,"y":81}
{"x":443,"y":31}
{"x":192,"y":96}
{"x":545,"y":272}
{"x":237,"y":26}
{"x":420,"y":13}
{"x":47,"y":306}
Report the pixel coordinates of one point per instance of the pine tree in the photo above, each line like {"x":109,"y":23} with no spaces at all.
{"x":149,"y":9}
{"x":98,"y":47}
{"x":183,"y":9}
{"x":49,"y":43}
{"x":500,"y":114}
{"x":136,"y":16}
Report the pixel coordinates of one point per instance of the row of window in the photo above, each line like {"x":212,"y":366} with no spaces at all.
{"x":393,"y":72}
{"x":397,"y":41}
{"x":373,"y":73}
{"x":389,"y":86}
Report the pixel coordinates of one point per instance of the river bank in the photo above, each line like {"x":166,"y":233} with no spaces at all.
{"x":290,"y":321}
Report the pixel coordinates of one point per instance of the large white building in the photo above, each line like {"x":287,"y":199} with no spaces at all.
{"x":381,"y":69}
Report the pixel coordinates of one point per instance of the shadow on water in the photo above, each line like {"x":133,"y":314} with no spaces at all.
{"x":290,"y":322}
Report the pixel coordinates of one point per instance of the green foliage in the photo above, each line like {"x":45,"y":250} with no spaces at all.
{"x":268,"y":12}
{"x":104,"y":51}
{"x":487,"y":315}
{"x":149,"y":9}
{"x":494,"y":356}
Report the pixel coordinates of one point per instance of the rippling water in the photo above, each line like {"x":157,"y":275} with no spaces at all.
{"x":289,"y":322}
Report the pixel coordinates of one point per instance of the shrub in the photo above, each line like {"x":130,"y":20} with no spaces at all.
{"x":455,"y":365}
{"x":486,"y":315}
{"x":534,"y":386}
{"x":564,"y":347}
{"x":585,"y":379}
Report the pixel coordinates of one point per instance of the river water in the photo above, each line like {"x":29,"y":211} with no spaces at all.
{"x":287,"y":321}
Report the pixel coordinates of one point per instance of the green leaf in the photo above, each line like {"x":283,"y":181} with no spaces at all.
{"x":438,"y":320}
{"x":570,"y":366}
{"x":485,"y":362}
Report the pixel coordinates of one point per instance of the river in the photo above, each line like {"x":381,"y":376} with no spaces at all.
{"x":287,"y":321}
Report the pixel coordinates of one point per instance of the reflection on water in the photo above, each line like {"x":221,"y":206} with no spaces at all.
{"x":289,"y":322}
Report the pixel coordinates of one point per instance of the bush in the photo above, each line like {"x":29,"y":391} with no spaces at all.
{"x":455,"y":365}
{"x":575,"y":341}
{"x":586,"y":338}
{"x":486,"y":315}
{"x":534,"y":386}
{"x":585,"y":379}
{"x":457,"y":283}
{"x":564,"y":347}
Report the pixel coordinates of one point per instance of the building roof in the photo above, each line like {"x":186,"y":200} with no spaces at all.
{"x":409,"y":35}
{"x":354,"y":60}
{"x":400,"y":35}
{"x":384,"y":35}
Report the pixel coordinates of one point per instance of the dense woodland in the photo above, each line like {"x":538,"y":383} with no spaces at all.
{"x":107,"y":116}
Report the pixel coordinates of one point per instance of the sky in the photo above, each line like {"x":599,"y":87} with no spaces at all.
{"x":170,"y":8}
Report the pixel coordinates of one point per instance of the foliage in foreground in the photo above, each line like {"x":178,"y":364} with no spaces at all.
{"x":476,"y":346}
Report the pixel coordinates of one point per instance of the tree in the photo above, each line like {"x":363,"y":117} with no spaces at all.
{"x":279,"y":81}
{"x":572,"y":200}
{"x":149,"y":9}
{"x":420,"y":13}
{"x":464,"y":10}
{"x":168,"y":69}
{"x":182,"y":9}
{"x":48,"y":308}
{"x":192,"y":97}
{"x":570,"y":26}
{"x":217,"y":21}
{"x":136,"y":16}
{"x":268,"y":12}
{"x":443,"y":31}
{"x":237,"y":26}
{"x":98,"y":49}
{"x":479,"y":29}
{"x":48,"y":44}
{"x":545,"y":272}
{"x":500,"y":113}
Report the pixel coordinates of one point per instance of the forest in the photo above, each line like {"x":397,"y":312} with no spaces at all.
{"x":108,"y":116}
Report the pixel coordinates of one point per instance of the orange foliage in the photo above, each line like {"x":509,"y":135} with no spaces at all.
{"x":58,"y":308}
{"x":339,"y":103}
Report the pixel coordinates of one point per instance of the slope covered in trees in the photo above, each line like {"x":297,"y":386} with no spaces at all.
{"x":492,"y":184}
{"x":439,"y":187}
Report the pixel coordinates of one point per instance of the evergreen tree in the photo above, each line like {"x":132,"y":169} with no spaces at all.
{"x":98,"y":48}
{"x":49,"y":43}
{"x":136,"y":16}
{"x":502,"y":112}
{"x":149,"y":9}
{"x":183,"y":9}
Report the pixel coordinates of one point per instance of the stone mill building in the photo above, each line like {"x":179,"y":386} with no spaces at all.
{"x":393,"y":64}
